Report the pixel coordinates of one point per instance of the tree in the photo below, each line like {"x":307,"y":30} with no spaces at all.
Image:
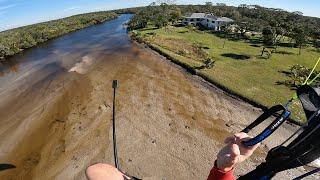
{"x":161,"y":21}
{"x":221,"y":4}
{"x":175,"y":14}
{"x":268,"y":36}
{"x":298,"y":13}
{"x":316,"y":39}
{"x":16,"y":40}
{"x":227,"y":32}
{"x":243,"y":6}
{"x":268,"y":39}
{"x":209,"y":3}
{"x":300,"y":37}
{"x":243,"y":27}
{"x":2,"y":52}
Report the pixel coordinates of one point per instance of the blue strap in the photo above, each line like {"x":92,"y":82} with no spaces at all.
{"x":271,"y":128}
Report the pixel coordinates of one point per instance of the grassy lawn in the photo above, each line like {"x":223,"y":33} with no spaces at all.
{"x":254,"y":78}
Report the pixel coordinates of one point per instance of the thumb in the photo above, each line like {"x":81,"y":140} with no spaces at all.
{"x":235,"y":153}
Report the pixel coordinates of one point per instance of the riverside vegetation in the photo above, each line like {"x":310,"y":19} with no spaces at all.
{"x":16,"y":40}
{"x":263,"y":67}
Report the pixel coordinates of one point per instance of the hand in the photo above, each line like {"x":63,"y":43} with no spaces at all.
{"x":104,"y":171}
{"x":234,"y":152}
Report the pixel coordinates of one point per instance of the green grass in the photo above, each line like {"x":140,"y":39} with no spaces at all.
{"x":254,"y":78}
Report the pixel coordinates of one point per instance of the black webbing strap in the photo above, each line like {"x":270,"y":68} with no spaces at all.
{"x":275,"y":110}
{"x":6,"y":166}
{"x":304,"y":149}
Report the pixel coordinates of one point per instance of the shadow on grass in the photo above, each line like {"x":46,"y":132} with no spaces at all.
{"x":255,"y":41}
{"x":179,"y":25}
{"x":287,"y":73}
{"x":151,"y":33}
{"x":284,"y":52}
{"x":200,"y":67}
{"x":182,"y":32}
{"x":285,"y":44}
{"x":315,"y":50}
{"x":286,"y":83}
{"x":254,"y":45}
{"x":236,"y":56}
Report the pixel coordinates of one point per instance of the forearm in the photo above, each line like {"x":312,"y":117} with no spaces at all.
{"x":218,"y":174}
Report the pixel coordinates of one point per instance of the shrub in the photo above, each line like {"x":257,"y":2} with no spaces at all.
{"x":247,"y":35}
{"x":208,"y":63}
{"x":198,"y":49}
{"x":298,"y":75}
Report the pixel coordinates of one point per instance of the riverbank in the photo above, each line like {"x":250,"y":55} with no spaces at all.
{"x":16,"y":40}
{"x":55,"y":117}
{"x":237,"y":68}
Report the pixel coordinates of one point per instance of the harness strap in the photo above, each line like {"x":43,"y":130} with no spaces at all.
{"x":307,"y":174}
{"x":271,"y":128}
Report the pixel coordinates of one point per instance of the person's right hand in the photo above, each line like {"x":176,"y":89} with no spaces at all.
{"x":234,"y":152}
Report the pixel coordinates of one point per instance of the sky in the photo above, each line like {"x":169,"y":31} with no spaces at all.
{"x":16,"y":13}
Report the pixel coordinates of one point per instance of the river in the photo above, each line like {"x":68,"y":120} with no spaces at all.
{"x":55,"y":110}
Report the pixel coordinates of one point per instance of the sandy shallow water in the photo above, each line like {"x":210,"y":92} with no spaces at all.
{"x":56,"y":121}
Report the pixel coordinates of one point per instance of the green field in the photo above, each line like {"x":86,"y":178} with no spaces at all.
{"x":254,"y":78}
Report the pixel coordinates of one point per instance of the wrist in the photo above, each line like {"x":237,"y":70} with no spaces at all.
{"x":221,"y":167}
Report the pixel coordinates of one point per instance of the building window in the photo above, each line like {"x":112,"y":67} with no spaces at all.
{"x":191,"y":20}
{"x":213,"y":22}
{"x":207,"y":20}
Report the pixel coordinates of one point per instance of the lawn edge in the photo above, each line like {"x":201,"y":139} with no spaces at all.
{"x":192,"y":71}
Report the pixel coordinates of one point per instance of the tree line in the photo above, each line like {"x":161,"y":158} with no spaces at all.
{"x":274,"y":24}
{"x":159,"y":14}
{"x":16,"y":40}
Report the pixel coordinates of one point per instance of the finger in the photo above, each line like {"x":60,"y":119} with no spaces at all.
{"x":230,"y":140}
{"x":234,"y":153}
{"x":240,"y":143}
{"x":241,"y":135}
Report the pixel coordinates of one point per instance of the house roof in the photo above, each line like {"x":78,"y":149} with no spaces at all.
{"x":208,"y":16}
{"x":211,"y":16}
{"x":225,"y":19}
{"x":196,"y":15}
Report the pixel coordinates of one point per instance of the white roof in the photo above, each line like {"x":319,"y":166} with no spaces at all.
{"x":211,"y":16}
{"x":225,"y":19}
{"x":208,"y":16}
{"x":196,"y":15}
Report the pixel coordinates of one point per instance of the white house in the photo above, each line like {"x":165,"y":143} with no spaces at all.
{"x":193,"y":19}
{"x":209,"y":21}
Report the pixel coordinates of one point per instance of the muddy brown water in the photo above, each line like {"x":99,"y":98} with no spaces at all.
{"x":55,"y":111}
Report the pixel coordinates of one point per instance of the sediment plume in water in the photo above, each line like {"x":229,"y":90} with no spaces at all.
{"x":55,"y":111}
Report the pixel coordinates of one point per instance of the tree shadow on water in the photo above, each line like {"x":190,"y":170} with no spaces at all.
{"x":236,"y":56}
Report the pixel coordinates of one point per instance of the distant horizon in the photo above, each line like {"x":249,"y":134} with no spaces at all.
{"x":7,"y":23}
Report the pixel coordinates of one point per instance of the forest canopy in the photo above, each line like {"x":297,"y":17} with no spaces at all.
{"x":253,"y":16}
